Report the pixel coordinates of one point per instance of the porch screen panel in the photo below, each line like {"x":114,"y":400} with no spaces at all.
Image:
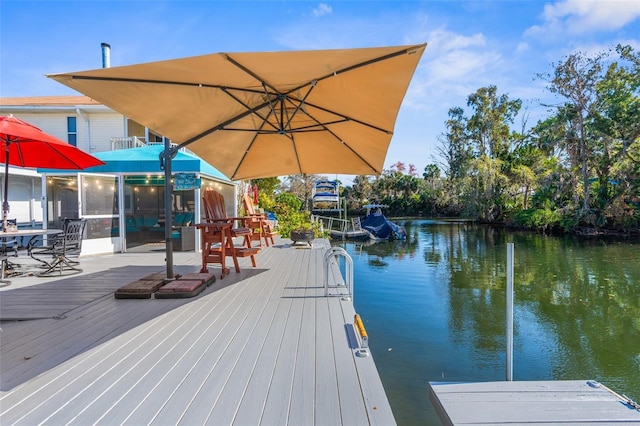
{"x":100,"y":205}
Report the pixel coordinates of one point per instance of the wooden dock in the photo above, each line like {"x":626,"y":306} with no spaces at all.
{"x":567,"y":402}
{"x":263,"y":346}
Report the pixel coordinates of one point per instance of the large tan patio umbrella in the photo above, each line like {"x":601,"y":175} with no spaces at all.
{"x":265,"y":114}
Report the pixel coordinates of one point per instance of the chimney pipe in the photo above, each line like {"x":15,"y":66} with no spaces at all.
{"x":106,"y":55}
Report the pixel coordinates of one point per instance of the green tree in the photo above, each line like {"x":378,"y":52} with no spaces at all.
{"x":433,"y":199}
{"x":554,"y":136}
{"x":267,"y":188}
{"x":360,"y":193}
{"x":617,"y":123}
{"x":301,"y":186}
{"x":488,"y":128}
{"x":575,"y":80}
{"x":456,"y":152}
{"x":431,"y":173}
{"x":475,"y":150}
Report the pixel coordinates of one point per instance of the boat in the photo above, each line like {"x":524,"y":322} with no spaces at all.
{"x":325,"y":195}
{"x":374,"y":226}
{"x":379,"y":226}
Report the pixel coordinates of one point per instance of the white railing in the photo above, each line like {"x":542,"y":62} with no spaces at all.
{"x":136,"y":142}
{"x":126,"y":142}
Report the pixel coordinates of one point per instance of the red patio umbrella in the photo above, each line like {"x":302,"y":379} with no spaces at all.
{"x":24,"y":145}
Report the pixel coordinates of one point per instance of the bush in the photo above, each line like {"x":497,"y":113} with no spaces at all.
{"x":287,"y":209}
{"x":289,"y":200}
{"x":622,"y":215}
{"x":537,"y":218}
{"x":266,"y":202}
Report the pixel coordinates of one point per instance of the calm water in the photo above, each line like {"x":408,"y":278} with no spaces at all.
{"x":434,"y":308}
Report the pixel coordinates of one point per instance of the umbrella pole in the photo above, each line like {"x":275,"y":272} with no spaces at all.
{"x":165,"y":161}
{"x":5,"y":203}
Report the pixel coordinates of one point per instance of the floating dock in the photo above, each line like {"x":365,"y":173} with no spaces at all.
{"x":566,"y":402}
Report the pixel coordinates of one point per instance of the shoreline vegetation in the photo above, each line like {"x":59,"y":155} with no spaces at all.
{"x":578,"y":231}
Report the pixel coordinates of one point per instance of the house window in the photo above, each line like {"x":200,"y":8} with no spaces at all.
{"x":72,"y":131}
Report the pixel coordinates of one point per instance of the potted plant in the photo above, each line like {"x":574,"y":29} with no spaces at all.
{"x":297,"y":224}
{"x":302,"y":235}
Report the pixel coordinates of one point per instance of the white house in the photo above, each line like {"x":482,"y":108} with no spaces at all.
{"x":111,"y":200}
{"x":59,"y":116}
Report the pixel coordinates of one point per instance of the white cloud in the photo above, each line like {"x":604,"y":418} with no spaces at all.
{"x":454,"y":57}
{"x":322,"y":9}
{"x":453,"y":66}
{"x":585,"y":16}
{"x":447,"y":40}
{"x":522,"y":47}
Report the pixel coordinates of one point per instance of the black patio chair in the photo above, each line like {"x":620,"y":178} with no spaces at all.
{"x":61,"y":248}
{"x":9,"y":244}
{"x":8,"y":248}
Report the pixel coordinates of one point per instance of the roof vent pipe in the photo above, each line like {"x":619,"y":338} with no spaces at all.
{"x":106,"y":55}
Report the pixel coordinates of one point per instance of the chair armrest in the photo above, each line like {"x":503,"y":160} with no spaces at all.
{"x":243,"y":221}
{"x":214,"y":225}
{"x":257,"y":217}
{"x":217,"y":221}
{"x":32,"y":243}
{"x":242,"y":218}
{"x":260,"y":215}
{"x":55,"y":244}
{"x":52,"y":240}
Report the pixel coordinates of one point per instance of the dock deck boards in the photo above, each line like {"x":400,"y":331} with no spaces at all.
{"x":566,"y":402}
{"x":263,"y":346}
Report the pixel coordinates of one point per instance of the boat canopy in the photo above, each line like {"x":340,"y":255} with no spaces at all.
{"x":381,"y":227}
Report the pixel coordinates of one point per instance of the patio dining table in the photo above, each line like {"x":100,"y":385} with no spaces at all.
{"x":23,"y":237}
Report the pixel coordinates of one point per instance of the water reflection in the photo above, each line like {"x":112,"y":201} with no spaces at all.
{"x":434,"y":307}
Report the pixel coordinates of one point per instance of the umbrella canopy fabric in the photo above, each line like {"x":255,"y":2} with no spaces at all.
{"x":266,"y":114}
{"x":24,"y":145}
{"x":254,"y":115}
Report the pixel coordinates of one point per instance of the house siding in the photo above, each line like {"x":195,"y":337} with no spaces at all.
{"x":94,"y":129}
{"x":101,"y":128}
{"x":24,"y":197}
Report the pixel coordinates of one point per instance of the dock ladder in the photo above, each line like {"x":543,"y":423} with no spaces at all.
{"x":333,"y":278}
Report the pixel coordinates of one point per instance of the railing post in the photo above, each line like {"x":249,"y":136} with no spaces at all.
{"x":509,"y":312}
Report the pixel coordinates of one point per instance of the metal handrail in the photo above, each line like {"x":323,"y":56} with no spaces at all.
{"x":331,"y":257}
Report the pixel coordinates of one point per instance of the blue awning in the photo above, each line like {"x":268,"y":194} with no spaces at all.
{"x":147,"y":160}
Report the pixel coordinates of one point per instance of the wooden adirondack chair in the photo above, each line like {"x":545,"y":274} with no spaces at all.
{"x":217,"y":233}
{"x":258,"y":223}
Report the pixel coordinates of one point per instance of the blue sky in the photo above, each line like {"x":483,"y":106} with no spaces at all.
{"x":471,"y":44}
